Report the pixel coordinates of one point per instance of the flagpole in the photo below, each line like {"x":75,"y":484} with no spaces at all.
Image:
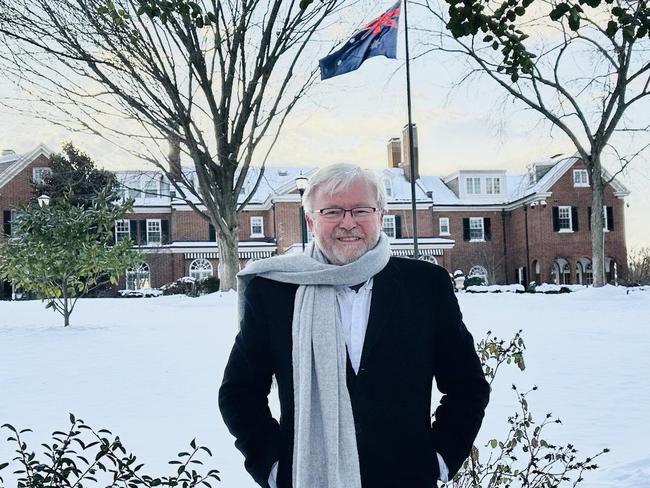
{"x":416,"y":253}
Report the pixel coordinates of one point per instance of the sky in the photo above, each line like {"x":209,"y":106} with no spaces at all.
{"x":352,"y":117}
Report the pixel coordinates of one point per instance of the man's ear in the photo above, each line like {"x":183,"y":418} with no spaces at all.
{"x":310,"y":221}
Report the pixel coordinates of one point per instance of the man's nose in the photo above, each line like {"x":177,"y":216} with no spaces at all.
{"x":348,"y":222}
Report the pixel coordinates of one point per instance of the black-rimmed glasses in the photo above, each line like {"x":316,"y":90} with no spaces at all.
{"x":357,"y":213}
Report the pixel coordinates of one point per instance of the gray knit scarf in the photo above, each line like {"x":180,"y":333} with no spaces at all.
{"x":325,"y":448}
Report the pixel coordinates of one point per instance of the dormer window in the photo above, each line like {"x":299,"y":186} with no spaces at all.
{"x":580,"y":177}
{"x":493,"y":186}
{"x":151,"y":189}
{"x":473,"y":186}
{"x":39,"y":175}
{"x":388,"y":185}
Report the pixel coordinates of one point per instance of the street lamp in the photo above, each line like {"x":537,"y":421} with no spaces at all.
{"x":301,"y":184}
{"x":43,"y":200}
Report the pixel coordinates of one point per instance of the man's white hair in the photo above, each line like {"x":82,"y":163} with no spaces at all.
{"x":339,"y":177}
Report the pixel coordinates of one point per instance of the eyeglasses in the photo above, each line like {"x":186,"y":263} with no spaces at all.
{"x":334,"y":214}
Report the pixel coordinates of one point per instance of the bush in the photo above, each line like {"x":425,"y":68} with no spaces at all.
{"x":191,"y":287}
{"x":475,"y":281}
{"x":182,"y":286}
{"x":83,"y":456}
{"x":524,"y":457}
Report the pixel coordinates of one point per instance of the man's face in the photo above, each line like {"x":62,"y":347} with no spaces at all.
{"x":347,"y":239}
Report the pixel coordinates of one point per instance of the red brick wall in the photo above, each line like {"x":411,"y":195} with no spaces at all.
{"x":545,"y":244}
{"x":467,"y":254}
{"x":287,"y":224}
{"x":18,"y":191}
{"x":424,"y":222}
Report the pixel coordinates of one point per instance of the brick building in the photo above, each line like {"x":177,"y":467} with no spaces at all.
{"x":506,"y":228}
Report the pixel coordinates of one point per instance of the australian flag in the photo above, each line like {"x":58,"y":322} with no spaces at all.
{"x":377,"y":38}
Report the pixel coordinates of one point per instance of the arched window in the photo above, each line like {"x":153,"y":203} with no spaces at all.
{"x":138,"y":278}
{"x":479,"y":272}
{"x":201,"y":269}
{"x":430,"y":259}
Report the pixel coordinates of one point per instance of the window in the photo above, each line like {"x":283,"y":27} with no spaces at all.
{"x":473,"y":186}
{"x":200,"y":269}
{"x":443,"y":225}
{"x":8,"y":219}
{"x":476,"y":229}
{"x":580,"y":177}
{"x":122,"y":230}
{"x":564,"y":214}
{"x":154,"y":231}
{"x":39,"y":175}
{"x":257,"y":226}
{"x":121,"y":192}
{"x":151,"y":189}
{"x":389,"y":226}
{"x":164,"y":188}
{"x":605,"y":219}
{"x":134,"y":192}
{"x":138,"y":278}
{"x":388,"y":185}
{"x":493,"y":186}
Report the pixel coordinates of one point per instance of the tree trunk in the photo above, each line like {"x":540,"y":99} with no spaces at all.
{"x":66,"y":308}
{"x":228,"y":258}
{"x":597,"y":223}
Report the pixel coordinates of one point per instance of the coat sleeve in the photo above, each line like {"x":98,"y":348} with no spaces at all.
{"x":459,"y":377}
{"x":243,"y":396}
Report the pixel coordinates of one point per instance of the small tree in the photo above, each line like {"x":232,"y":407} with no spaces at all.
{"x":75,"y":178}
{"x":638,"y":266}
{"x":62,"y":251}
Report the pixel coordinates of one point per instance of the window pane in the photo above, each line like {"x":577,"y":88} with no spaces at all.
{"x":565,"y":218}
{"x":154,"y":234}
{"x":389,"y":225}
{"x":476,"y":229}
{"x":444,"y":225}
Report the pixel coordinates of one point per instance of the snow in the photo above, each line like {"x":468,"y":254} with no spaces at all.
{"x":149,"y":370}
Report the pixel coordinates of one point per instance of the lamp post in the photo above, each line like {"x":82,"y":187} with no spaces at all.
{"x":301,"y":184}
{"x":43,"y":200}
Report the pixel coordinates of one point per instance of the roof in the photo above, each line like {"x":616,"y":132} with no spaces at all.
{"x":12,"y":164}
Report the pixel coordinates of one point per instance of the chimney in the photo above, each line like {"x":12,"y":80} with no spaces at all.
{"x":174,"y":157}
{"x":7,"y":152}
{"x":405,"y":148}
{"x":394,"y":152}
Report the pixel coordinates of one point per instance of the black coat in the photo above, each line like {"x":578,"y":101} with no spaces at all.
{"x":415,"y":334}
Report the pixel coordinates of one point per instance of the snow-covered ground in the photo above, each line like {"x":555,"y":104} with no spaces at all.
{"x":149,"y":370}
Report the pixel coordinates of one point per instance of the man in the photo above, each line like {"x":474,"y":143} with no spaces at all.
{"x":354,"y":338}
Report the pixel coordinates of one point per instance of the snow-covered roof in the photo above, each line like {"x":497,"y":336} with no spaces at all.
{"x":440,"y":193}
{"x":11,"y":164}
{"x":400,"y":188}
{"x":280,"y":180}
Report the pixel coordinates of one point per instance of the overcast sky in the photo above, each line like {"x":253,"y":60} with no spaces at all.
{"x":352,"y":117}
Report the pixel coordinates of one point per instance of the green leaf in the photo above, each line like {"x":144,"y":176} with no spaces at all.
{"x":559,"y":11}
{"x":493,"y":443}
{"x":612,"y":28}
{"x":520,"y":11}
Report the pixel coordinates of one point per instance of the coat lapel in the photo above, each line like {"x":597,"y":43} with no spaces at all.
{"x":382,"y":305}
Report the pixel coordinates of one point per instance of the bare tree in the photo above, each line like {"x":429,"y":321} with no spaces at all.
{"x":215,"y":78}
{"x":638,"y":265}
{"x":582,"y":65}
